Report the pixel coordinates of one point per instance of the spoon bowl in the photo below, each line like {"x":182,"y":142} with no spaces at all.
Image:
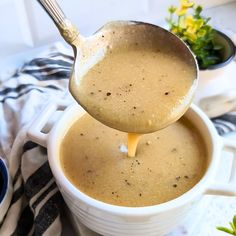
{"x":120,"y":37}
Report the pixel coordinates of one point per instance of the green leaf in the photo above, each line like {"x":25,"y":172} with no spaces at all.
{"x":217,"y":47}
{"x":232,"y":226}
{"x":171,"y":9}
{"x":198,"y":10}
{"x":234,"y":221}
{"x":207,"y":20}
{"x":226,"y":230}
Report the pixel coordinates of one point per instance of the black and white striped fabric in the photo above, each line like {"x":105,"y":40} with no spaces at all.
{"x":36,"y":203}
{"x":225,"y":123}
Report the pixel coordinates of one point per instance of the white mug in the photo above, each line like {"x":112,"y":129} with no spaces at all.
{"x":108,"y":219}
{"x":5,"y":189}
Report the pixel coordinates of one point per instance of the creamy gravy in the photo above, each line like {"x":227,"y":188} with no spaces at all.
{"x":138,"y":89}
{"x":167,"y":164}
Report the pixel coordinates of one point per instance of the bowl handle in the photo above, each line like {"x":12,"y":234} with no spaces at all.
{"x":35,"y":132}
{"x":226,"y":189}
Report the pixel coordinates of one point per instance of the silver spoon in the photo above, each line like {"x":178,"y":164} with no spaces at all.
{"x":88,"y":51}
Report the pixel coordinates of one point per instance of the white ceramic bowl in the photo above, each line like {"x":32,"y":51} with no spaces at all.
{"x":114,"y":220}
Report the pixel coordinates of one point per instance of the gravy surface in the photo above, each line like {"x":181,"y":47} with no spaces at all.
{"x":167,"y":164}
{"x":138,"y":89}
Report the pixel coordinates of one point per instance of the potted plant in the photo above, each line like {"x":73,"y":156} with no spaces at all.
{"x":213,"y":49}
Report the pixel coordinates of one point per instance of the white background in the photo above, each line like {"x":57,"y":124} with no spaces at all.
{"x":24,"y":24}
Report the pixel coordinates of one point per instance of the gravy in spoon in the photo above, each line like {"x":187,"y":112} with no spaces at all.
{"x":138,"y":90}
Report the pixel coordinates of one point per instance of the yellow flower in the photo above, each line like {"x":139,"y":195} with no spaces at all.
{"x":181,"y":11}
{"x":199,"y":23}
{"x":190,"y":36}
{"x":174,"y":30}
{"x":189,"y":21}
{"x":192,"y":29}
{"x":186,"y":3}
{"x":193,"y":25}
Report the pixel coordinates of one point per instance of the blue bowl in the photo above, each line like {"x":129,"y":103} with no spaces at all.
{"x":3,"y":180}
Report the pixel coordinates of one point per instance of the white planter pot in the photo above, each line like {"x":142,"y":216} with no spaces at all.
{"x":220,"y":77}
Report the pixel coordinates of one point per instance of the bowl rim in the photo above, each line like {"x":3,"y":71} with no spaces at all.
{"x":53,"y":143}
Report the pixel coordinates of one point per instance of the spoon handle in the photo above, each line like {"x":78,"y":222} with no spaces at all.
{"x":66,"y":28}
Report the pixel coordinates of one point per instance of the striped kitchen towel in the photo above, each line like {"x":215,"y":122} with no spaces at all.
{"x":36,"y":204}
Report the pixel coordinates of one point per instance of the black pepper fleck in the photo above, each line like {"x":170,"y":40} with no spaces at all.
{"x":108,"y":94}
{"x":186,"y":177}
{"x":127,"y":182}
{"x":140,"y":194}
{"x":175,"y":185}
{"x":166,"y":93}
{"x":173,"y":150}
